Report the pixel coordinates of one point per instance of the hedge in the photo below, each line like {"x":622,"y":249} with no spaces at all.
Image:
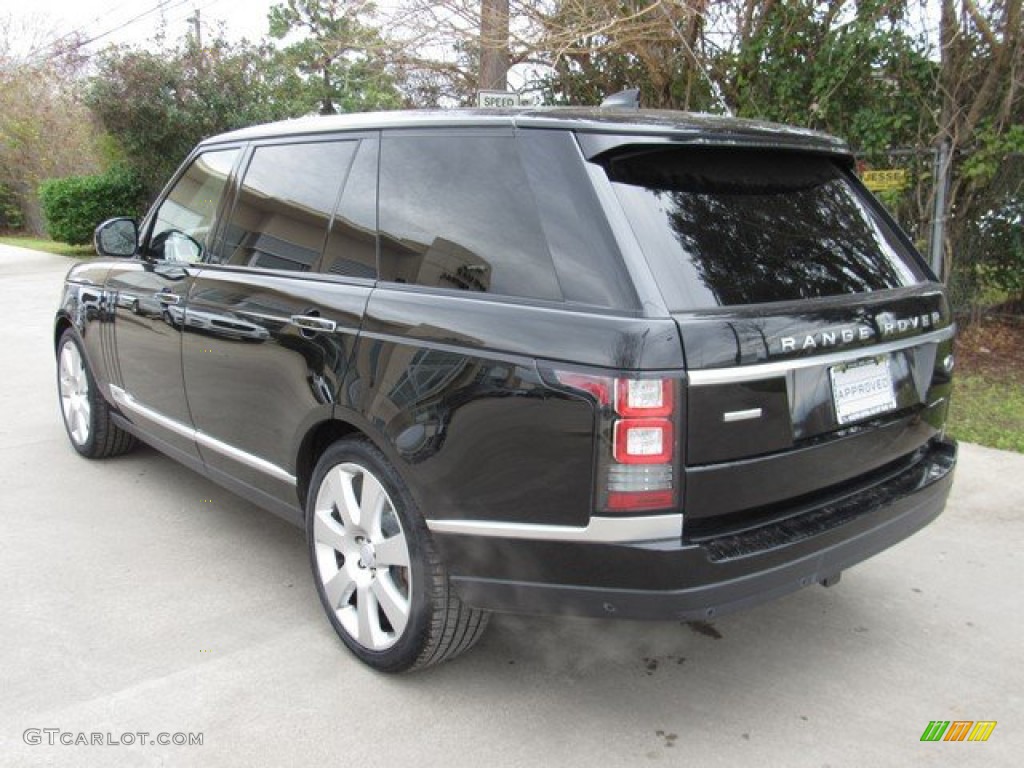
{"x":74,"y":205}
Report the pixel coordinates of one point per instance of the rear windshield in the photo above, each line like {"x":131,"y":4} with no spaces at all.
{"x":725,"y":227}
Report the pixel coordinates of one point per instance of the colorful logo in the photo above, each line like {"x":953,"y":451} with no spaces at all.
{"x":958,"y":730}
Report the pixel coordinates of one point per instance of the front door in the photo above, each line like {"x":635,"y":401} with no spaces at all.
{"x":150,"y":297}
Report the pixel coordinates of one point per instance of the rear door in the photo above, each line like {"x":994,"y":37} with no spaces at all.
{"x":272,"y":318}
{"x":816,"y":340}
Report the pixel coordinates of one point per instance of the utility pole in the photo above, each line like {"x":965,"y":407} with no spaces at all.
{"x":199,"y":29}
{"x":494,"y":56}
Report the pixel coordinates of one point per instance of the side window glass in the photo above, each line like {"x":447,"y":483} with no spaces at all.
{"x":457,"y":212}
{"x":587,"y":259}
{"x":352,"y":243}
{"x":186,"y":216}
{"x":284,"y":205}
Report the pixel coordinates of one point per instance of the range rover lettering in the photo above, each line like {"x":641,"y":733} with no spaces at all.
{"x":595,"y":362}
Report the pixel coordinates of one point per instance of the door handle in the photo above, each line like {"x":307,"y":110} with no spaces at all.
{"x":312,"y":323}
{"x":167,"y":298}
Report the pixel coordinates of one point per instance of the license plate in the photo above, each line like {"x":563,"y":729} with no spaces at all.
{"x":862,"y":389}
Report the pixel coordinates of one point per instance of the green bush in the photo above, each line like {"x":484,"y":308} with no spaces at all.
{"x":74,"y":205}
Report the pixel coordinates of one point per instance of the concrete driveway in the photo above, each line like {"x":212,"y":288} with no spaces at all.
{"x":136,"y":596}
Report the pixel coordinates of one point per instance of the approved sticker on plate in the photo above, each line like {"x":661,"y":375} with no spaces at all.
{"x":862,"y":389}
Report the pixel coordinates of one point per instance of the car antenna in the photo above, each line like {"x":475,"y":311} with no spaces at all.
{"x":627,"y":99}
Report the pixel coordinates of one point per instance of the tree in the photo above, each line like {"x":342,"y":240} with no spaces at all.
{"x":597,"y":48}
{"x":982,"y":91}
{"x":45,"y":129}
{"x":157,"y":106}
{"x":439,"y":49}
{"x":494,"y":55}
{"x":848,"y":67}
{"x":337,"y":52}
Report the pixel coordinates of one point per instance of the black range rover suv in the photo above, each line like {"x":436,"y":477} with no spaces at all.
{"x":592,"y":362}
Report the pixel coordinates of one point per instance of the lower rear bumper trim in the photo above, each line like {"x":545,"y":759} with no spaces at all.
{"x":683,"y":581}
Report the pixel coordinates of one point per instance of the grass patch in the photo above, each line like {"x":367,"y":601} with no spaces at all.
{"x":49,"y":246}
{"x":988,"y":410}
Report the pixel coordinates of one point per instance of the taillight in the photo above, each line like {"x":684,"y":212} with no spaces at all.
{"x":642,"y":441}
{"x":637,"y":455}
{"x":643,"y":397}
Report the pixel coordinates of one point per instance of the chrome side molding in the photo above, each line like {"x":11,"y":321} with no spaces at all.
{"x":600,"y":529}
{"x":128,"y":402}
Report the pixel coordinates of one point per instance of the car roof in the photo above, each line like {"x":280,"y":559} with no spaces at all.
{"x":686,"y":126}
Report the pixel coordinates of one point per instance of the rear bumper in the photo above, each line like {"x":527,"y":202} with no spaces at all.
{"x":676,"y":579}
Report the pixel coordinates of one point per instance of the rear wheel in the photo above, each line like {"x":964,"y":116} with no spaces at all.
{"x":86,"y":414}
{"x":378,"y":577}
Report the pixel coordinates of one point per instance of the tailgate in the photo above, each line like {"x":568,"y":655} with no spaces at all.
{"x":786,"y":405}
{"x":817,"y":342}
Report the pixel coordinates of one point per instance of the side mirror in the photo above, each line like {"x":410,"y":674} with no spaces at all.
{"x":117,"y":237}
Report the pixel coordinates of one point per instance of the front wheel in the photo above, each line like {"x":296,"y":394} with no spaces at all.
{"x":87,"y":418}
{"x":378,"y":577}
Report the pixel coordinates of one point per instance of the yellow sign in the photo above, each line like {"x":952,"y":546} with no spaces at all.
{"x":884,"y":181}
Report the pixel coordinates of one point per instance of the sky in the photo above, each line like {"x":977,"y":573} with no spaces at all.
{"x":136,"y":21}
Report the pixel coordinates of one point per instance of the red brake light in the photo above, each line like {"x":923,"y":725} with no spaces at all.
{"x":642,"y":441}
{"x":643,"y":397}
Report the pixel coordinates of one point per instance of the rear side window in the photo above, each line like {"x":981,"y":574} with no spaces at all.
{"x":287,"y":196}
{"x":457,"y":212}
{"x":351,"y":249}
{"x":724,"y":227}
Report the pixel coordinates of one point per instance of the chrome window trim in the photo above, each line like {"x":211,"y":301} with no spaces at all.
{"x":125,"y":400}
{"x":599,"y":530}
{"x":710,"y":376}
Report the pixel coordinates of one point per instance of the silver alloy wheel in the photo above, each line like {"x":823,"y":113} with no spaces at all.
{"x":74,"y":393}
{"x":362,"y":556}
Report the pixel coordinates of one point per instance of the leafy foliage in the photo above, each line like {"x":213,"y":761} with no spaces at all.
{"x":600,"y":47}
{"x":75,"y":205}
{"x":338,"y":58}
{"x":862,"y":77}
{"x":157,"y":106}
{"x":992,"y":241}
{"x":851,"y":69}
{"x":11,"y":217}
{"x":45,"y":129}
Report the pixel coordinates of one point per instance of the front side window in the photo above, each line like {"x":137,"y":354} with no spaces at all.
{"x":185,"y":218}
{"x":726,"y":227}
{"x":284,"y":206}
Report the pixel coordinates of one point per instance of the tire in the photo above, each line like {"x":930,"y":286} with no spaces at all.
{"x":378,"y":577}
{"x":86,"y":414}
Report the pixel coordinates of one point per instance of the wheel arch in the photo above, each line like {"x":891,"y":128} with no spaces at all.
{"x":317,"y":440}
{"x":62,"y":323}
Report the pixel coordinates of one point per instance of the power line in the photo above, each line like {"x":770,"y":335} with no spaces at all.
{"x":162,"y":5}
{"x":68,"y":36}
